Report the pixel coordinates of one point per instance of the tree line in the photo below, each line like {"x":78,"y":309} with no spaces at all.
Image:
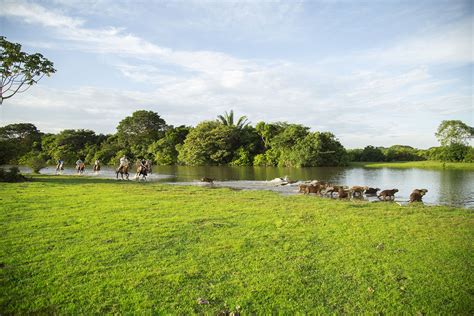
{"x":223,"y":141}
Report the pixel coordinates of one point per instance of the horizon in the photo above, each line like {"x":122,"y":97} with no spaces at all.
{"x":348,"y":68}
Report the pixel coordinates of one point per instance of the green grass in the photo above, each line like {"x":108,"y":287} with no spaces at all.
{"x":79,"y":245}
{"x":427,"y":164}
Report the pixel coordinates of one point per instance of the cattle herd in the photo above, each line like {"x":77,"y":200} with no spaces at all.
{"x":344,"y":192}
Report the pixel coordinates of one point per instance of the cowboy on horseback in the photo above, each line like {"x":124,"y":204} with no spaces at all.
{"x":96,"y":165}
{"x":59,"y":166}
{"x":123,"y":162}
{"x":123,"y":167}
{"x":80,"y":166}
{"x":142,"y":169}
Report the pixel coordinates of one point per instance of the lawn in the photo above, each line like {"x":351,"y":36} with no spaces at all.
{"x":426,"y":164}
{"x":77,"y":245}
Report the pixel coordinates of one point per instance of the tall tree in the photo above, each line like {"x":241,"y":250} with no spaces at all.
{"x":228,"y":119}
{"x":140,"y":130}
{"x":209,"y":143}
{"x":71,"y":145}
{"x":165,"y":150}
{"x":20,"y":70}
{"x":17,"y":140}
{"x":454,"y":132}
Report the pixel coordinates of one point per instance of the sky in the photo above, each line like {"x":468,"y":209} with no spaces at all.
{"x":371,"y":72}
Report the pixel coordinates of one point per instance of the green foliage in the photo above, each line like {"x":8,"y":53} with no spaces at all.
{"x":70,"y":145}
{"x":209,"y":143}
{"x":107,"y":151}
{"x":20,"y":70}
{"x":319,"y":150}
{"x":18,"y":139}
{"x":228,"y":119}
{"x":354,"y":154}
{"x":455,"y":152}
{"x":12,"y":175}
{"x":36,"y":160}
{"x":454,"y":132}
{"x":139,"y":131}
{"x":371,"y":153}
{"x":242,"y":158}
{"x":427,"y":164}
{"x":469,"y":155}
{"x":77,"y":245}
{"x":402,"y":153}
{"x":146,"y":135}
{"x":8,"y":152}
{"x":165,"y":150}
{"x":268,"y":131}
{"x":282,"y":144}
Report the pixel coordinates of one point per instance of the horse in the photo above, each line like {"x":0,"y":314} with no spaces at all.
{"x":148,"y":165}
{"x":96,"y":167}
{"x":142,"y":170}
{"x":80,"y":168}
{"x":123,"y":170}
{"x":59,"y":168}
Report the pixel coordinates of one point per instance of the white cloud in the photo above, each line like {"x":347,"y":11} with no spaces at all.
{"x":362,"y":107}
{"x":452,"y":44}
{"x":34,"y":13}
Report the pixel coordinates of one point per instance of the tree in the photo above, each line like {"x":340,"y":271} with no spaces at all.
{"x":454,"y":137}
{"x":165,"y":149}
{"x":18,"y":139}
{"x":371,"y":153}
{"x":454,"y":132}
{"x":249,"y":145}
{"x":209,"y":143}
{"x":282,"y":145}
{"x":70,"y":145}
{"x":269,"y":130}
{"x":354,"y":154}
{"x":319,"y":149}
{"x":20,"y":70}
{"x":228,"y":119}
{"x":402,"y":153}
{"x":139,"y":131}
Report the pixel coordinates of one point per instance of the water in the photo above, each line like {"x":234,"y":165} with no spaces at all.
{"x":449,"y":187}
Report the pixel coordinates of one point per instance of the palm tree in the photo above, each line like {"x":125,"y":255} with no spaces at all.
{"x":228,"y":119}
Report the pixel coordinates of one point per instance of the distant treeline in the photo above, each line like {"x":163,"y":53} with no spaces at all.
{"x":145,"y":134}
{"x":453,"y":153}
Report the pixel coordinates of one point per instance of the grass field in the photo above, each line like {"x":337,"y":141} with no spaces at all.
{"x":427,"y":164}
{"x":78,"y":245}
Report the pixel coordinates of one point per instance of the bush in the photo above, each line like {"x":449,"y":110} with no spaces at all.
{"x":34,"y":160}
{"x":13,"y":175}
{"x":469,"y":156}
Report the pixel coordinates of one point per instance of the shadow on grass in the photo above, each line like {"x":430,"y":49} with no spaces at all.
{"x":74,"y":180}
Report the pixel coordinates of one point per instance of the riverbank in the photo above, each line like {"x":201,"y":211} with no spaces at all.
{"x":88,"y":245}
{"x":426,"y":164}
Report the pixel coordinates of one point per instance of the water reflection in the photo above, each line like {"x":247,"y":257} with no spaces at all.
{"x":453,"y":187}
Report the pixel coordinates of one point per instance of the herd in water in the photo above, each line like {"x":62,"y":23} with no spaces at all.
{"x":323,"y":188}
{"x":343,"y":192}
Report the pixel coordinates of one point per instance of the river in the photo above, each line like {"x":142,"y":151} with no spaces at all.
{"x":448,"y":187}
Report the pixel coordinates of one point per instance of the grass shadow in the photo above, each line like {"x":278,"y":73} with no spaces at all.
{"x":74,"y":180}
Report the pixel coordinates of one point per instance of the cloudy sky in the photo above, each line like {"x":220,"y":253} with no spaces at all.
{"x":371,"y":72}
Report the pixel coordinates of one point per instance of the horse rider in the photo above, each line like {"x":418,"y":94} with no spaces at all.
{"x":123,"y":162}
{"x":97,"y":165}
{"x":80,"y":165}
{"x":60,"y":165}
{"x":79,"y":162}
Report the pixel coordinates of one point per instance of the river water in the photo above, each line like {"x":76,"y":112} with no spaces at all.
{"x":448,"y":187}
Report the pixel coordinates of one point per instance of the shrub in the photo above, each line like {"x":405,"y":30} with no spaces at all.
{"x":13,"y":175}
{"x":34,"y":160}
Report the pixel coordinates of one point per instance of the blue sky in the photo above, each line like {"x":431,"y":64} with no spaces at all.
{"x":371,"y":72}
